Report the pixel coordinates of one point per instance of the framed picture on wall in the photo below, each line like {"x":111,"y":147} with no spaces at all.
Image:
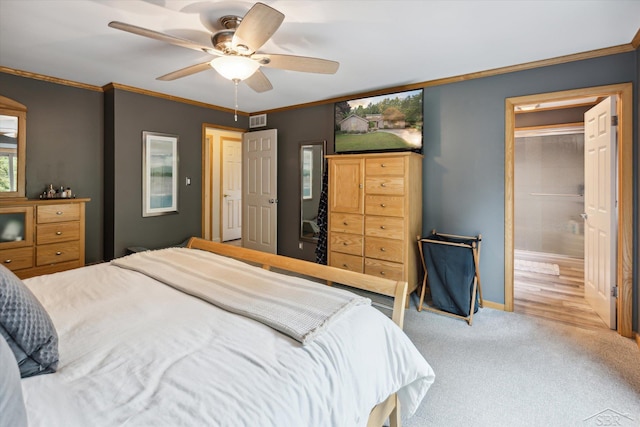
{"x":159,"y":174}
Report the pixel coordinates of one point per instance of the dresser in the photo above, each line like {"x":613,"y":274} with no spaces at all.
{"x":42,"y":236}
{"x":375,"y":214}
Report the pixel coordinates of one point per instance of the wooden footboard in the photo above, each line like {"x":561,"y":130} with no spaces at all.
{"x":390,"y":408}
{"x":396,"y":289}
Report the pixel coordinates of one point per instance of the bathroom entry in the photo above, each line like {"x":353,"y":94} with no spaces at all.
{"x":549,"y":225}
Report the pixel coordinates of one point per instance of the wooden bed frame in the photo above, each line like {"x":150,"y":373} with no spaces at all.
{"x":390,"y":408}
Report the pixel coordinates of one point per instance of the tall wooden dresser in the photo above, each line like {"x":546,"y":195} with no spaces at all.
{"x":375,"y":214}
{"x":42,"y":236}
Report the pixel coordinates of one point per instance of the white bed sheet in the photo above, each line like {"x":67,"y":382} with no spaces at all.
{"x":135,"y":352}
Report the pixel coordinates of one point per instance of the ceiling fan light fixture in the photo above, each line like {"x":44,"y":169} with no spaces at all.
{"x":235,"y":67}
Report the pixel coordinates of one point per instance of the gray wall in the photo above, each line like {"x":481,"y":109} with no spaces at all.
{"x":463,"y":166}
{"x":310,"y":124}
{"x":464,"y":150}
{"x":129,"y":114}
{"x":463,"y":189}
{"x":64,"y":145}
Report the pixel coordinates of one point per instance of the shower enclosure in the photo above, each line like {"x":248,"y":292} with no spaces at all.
{"x":549,"y":192}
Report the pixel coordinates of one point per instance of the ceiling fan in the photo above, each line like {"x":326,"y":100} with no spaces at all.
{"x":236,"y":49}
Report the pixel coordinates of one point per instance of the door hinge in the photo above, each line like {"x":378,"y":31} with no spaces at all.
{"x":614,"y":120}
{"x":614,"y":291}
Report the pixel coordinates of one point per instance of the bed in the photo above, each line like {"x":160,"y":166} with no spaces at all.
{"x":141,"y":345}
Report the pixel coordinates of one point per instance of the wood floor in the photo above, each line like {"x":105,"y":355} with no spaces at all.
{"x":558,"y":298}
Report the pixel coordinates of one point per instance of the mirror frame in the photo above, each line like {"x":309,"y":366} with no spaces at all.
{"x":301,"y":198}
{"x":9,"y":107}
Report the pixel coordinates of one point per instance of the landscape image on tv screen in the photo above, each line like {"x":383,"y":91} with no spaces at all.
{"x":391,"y":122}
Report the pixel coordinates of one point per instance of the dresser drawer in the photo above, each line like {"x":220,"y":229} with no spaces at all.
{"x":388,"y":270}
{"x":17,"y":259}
{"x":384,"y":185}
{"x":347,"y":243}
{"x":57,"y":252}
{"x":347,"y":223}
{"x":386,"y":249}
{"x":385,"y":166}
{"x":346,"y":262}
{"x":384,"y":205}
{"x":384,"y":226}
{"x":58,"y":213}
{"x":57,"y":232}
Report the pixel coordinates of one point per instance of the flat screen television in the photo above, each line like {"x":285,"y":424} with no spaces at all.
{"x":391,"y":122}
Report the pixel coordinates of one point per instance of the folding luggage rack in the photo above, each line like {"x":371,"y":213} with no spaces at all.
{"x":451,"y":266}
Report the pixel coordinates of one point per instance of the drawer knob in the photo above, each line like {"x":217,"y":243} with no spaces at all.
{"x":382,"y":250}
{"x":382,"y":273}
{"x":58,"y":233}
{"x":7,"y":261}
{"x":382,"y":227}
{"x":383,"y":205}
{"x":383,"y":185}
{"x":345,"y":223}
{"x":345,"y":265}
{"x":382,"y":165}
{"x":58,"y":253}
{"x":59,"y":213}
{"x":345,"y":243}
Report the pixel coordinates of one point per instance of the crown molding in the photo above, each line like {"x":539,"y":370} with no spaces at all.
{"x":623,"y":48}
{"x":49,"y":79}
{"x":133,"y":89}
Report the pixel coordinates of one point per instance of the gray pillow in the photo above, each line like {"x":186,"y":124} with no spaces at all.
{"x":26,"y":327}
{"x":12,"y":410}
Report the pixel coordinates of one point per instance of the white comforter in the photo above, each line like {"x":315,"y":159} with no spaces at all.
{"x":135,"y":352}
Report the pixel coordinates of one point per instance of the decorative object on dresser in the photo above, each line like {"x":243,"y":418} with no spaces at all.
{"x":42,"y":236}
{"x":375,"y":214}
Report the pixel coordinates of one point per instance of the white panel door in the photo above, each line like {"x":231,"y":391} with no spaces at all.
{"x":231,"y":203}
{"x":260,"y":191}
{"x":600,"y":210}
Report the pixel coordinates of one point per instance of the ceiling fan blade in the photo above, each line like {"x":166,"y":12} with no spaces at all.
{"x":297,"y":63}
{"x":187,"y":71}
{"x":257,"y":26}
{"x":178,"y":41}
{"x":258,"y":82}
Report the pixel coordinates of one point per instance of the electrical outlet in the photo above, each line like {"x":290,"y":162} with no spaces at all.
{"x":300,"y":245}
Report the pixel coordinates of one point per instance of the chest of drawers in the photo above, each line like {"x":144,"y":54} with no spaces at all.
{"x":50,"y":235}
{"x":375,"y":214}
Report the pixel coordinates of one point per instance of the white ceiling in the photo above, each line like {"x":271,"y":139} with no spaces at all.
{"x":379,"y":44}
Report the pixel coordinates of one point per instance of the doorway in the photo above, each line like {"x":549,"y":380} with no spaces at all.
{"x":624,"y":192}
{"x":214,"y":176}
{"x":549,"y":192}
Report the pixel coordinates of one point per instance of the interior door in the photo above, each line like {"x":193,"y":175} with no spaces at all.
{"x":231,"y":202}
{"x":600,"y":209}
{"x":260,"y":191}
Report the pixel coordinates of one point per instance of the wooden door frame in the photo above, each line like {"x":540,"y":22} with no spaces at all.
{"x":624,"y":263}
{"x":206,"y":214}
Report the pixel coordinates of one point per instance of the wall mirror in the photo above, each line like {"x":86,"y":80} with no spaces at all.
{"x":311,"y":168}
{"x":13,"y":141}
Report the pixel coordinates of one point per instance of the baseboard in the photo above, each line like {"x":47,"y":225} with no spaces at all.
{"x":638,"y":339}
{"x":494,"y":305}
